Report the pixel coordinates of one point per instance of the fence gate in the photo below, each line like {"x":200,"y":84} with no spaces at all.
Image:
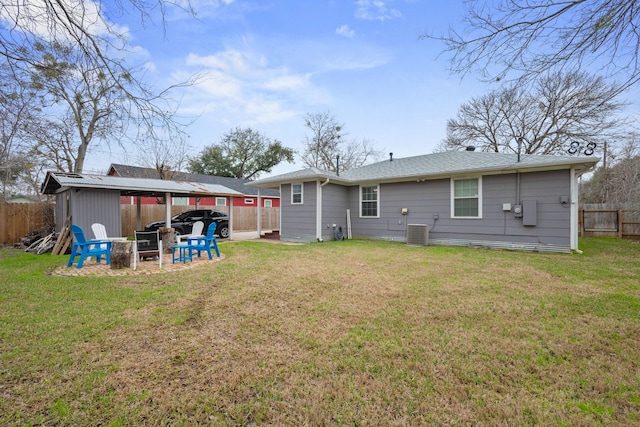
{"x":610,"y":222}
{"x":600,"y":221}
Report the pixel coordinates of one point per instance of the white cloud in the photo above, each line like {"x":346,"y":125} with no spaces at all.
{"x":38,"y":18}
{"x":260,"y":83}
{"x":376,"y":10}
{"x":241,"y":86}
{"x":345,"y":31}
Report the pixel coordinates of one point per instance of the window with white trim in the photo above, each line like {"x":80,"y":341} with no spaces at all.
{"x":466,"y":198}
{"x":221,"y":201}
{"x":296,"y":194}
{"x":268,"y":203}
{"x":248,"y":201}
{"x":369,"y":201}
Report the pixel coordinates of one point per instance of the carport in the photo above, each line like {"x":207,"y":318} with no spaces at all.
{"x":85,"y":199}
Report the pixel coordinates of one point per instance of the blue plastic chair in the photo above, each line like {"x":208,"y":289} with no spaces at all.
{"x":204,"y":243}
{"x":84,"y":248}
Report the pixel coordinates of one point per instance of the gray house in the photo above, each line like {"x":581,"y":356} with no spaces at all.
{"x":459,"y":198}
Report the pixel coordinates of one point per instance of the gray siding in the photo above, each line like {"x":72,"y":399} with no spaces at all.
{"x":298,"y":222}
{"x":424,"y":199}
{"x":391,"y":224}
{"x":335,"y":202}
{"x":427,"y":199}
{"x":88,"y":206}
{"x":61,"y":210}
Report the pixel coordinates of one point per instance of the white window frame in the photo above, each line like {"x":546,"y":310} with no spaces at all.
{"x":477,"y":196}
{"x":180,"y":201}
{"x":301,"y":193}
{"x":223,"y":199}
{"x":268,"y":203}
{"x":377,"y":192}
{"x":249,"y":201}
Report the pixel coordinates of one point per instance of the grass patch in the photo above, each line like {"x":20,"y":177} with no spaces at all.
{"x":337,"y":333}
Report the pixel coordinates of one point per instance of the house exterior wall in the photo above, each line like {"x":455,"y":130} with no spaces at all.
{"x":428,"y":198}
{"x":298,"y":221}
{"x":88,"y":206}
{"x":335,"y":202}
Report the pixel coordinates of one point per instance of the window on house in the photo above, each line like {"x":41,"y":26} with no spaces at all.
{"x":467,"y":198}
{"x":221,"y":201}
{"x":248,"y":201}
{"x":268,"y":203}
{"x":180,"y":201}
{"x":296,"y":194}
{"x":369,"y":201}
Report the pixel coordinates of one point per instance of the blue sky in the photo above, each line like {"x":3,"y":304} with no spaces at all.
{"x":266,"y":63}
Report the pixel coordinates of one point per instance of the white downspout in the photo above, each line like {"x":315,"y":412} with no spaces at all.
{"x":574,"y":211}
{"x":319,"y":209}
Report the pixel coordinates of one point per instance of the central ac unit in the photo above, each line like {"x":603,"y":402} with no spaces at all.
{"x":417,"y":234}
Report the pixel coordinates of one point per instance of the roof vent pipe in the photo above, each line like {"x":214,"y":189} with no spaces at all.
{"x":391,"y":157}
{"x":471,"y":148}
{"x":519,"y":148}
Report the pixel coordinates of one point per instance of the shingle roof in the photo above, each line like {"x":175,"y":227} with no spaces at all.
{"x":437,"y":165}
{"x":236,"y":184}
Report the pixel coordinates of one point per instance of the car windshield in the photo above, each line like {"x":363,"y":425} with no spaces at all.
{"x":182,"y":216}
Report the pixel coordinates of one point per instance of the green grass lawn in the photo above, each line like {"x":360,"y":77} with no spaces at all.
{"x":336,"y":333}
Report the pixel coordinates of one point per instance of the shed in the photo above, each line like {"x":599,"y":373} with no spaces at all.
{"x":96,"y":198}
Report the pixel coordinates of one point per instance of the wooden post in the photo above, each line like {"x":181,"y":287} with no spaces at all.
{"x":620,"y":223}
{"x":581,"y":222}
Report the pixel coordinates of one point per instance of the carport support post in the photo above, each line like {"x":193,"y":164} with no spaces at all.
{"x":259,"y":212}
{"x":166,"y":233}
{"x":138,"y":213}
{"x":167,"y":210}
{"x":230,"y":198}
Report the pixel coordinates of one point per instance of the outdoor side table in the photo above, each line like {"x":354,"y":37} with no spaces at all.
{"x":184,"y":253}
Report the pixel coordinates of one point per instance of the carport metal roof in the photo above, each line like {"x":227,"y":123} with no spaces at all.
{"x":58,"y":181}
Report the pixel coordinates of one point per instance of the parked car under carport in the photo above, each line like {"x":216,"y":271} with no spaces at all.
{"x":183,"y":222}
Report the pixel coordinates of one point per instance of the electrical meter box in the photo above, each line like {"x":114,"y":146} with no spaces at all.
{"x":517,"y":211}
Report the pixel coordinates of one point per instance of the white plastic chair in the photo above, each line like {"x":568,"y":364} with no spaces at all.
{"x":100,"y":232}
{"x":196,"y":231}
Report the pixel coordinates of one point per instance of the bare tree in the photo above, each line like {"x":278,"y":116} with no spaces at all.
{"x":75,"y":55}
{"x":18,"y":102}
{"x":327,"y":147}
{"x":530,"y":38}
{"x":322,"y":147}
{"x":562,"y":109}
{"x":166,"y":157}
{"x":617,"y":181}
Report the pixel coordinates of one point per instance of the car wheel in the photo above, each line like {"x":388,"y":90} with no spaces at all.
{"x":224,"y":231}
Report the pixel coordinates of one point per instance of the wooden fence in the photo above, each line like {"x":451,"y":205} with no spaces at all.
{"x":245,"y":218}
{"x":19,"y":219}
{"x":608,"y":221}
